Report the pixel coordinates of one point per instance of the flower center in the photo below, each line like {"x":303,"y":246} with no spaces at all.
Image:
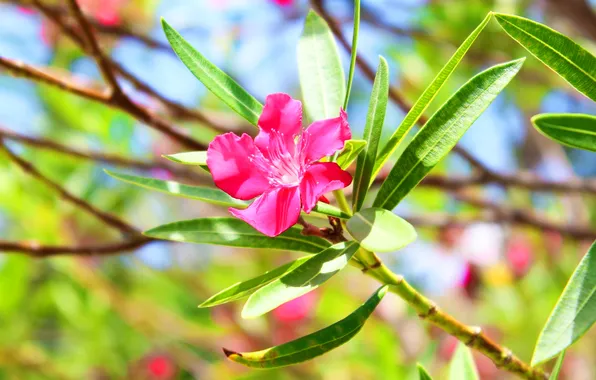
{"x":281,"y":167}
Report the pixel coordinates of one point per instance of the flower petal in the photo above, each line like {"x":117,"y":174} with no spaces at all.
{"x":229,"y":159}
{"x":281,"y":119}
{"x":325,"y":137}
{"x":273,"y":212}
{"x":319,"y":179}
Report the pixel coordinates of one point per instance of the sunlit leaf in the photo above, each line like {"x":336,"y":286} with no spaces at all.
{"x":462,"y":366}
{"x":321,"y":74}
{"x":308,"y":276}
{"x":422,"y":373}
{"x":350,"y":152}
{"x":372,"y":134}
{"x":312,"y":345}
{"x":571,"y":61}
{"x":234,"y":232}
{"x":440,"y":134}
{"x":380,"y":230}
{"x":218,"y":82}
{"x":426,"y":98}
{"x":245,"y":288}
{"x":574,"y":313}
{"x":198,"y":158}
{"x":574,"y":130}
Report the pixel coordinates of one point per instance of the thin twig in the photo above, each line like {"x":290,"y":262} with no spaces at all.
{"x":37,"y":250}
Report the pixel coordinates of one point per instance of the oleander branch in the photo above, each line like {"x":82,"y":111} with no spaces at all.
{"x":38,"y":250}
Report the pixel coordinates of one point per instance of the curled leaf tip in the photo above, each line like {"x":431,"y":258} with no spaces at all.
{"x":230,"y":353}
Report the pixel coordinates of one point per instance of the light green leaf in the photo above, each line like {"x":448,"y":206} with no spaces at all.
{"x":245,"y":288}
{"x":218,"y":82}
{"x":571,"y":61}
{"x":308,"y":276}
{"x":426,"y":98}
{"x":198,"y":158}
{"x":554,"y":375}
{"x":574,"y":313}
{"x":312,"y":345}
{"x":354,"y":54}
{"x":440,"y":134}
{"x":234,"y":232}
{"x":205,"y":194}
{"x":372,"y":134}
{"x":321,"y":74}
{"x":327,"y":209}
{"x":574,"y":130}
{"x":350,"y":152}
{"x":380,"y":230}
{"x":462,"y":366}
{"x":422,"y":373}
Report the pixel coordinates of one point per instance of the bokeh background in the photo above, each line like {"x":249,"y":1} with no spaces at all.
{"x":134,"y":315}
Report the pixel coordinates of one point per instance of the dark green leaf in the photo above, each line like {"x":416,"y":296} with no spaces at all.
{"x":426,"y":98}
{"x":422,"y":373}
{"x":380,"y":230}
{"x":245,"y":288}
{"x":218,"y":82}
{"x":354,"y":51}
{"x":462,"y":366}
{"x":312,"y":345}
{"x":350,"y":152}
{"x":372,"y":135}
{"x":574,"y":313}
{"x":308,"y":276}
{"x":577,"y":131}
{"x":321,"y":74}
{"x":234,"y":232}
{"x":572,"y":62}
{"x":440,"y":134}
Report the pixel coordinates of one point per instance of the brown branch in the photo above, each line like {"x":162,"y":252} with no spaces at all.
{"x":37,"y":250}
{"x":105,"y":217}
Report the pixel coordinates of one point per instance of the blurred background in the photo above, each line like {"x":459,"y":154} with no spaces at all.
{"x":133,"y":314}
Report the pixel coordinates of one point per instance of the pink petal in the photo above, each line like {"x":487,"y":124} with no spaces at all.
{"x":320,"y":178}
{"x":281,"y":120}
{"x":229,"y":159}
{"x":325,"y":137}
{"x":273,"y":212}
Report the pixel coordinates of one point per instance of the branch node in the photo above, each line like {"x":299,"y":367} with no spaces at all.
{"x":476,"y":332}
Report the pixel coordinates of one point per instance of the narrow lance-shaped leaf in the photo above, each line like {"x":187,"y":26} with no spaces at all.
{"x":354,"y":54}
{"x":198,"y":158}
{"x":571,"y":61}
{"x":574,"y":313}
{"x":308,"y":276}
{"x":574,"y":130}
{"x":350,"y":152}
{"x":234,"y":232}
{"x":462,"y":366}
{"x":440,"y":134}
{"x":321,"y":74}
{"x":372,"y":134}
{"x":422,"y":373}
{"x":217,"y":81}
{"x":554,"y":375}
{"x":207,"y":194}
{"x":312,"y":345}
{"x":245,"y":288}
{"x":426,"y":98}
{"x":380,"y":230}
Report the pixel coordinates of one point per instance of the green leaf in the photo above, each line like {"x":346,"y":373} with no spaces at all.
{"x":350,"y":152}
{"x":218,"y":82}
{"x":198,"y":158}
{"x":426,"y":98}
{"x":571,"y":61}
{"x":574,"y":130}
{"x":308,"y":276}
{"x":422,"y":373}
{"x":440,"y":134}
{"x":354,"y":54}
{"x":312,"y":345}
{"x":554,"y":375}
{"x":380,"y":230}
{"x":321,"y":74}
{"x":243,"y":289}
{"x":205,"y":194}
{"x":234,"y":232}
{"x":462,"y":366}
{"x":574,"y":313}
{"x":372,"y":134}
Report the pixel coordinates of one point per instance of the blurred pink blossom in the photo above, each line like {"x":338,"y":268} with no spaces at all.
{"x":519,"y":256}
{"x":161,"y":367}
{"x":296,"y":309}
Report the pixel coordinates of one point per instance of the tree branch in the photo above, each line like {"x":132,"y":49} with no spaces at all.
{"x":37,"y":250}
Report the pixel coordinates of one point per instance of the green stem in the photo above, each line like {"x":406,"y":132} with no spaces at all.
{"x":428,"y":311}
{"x":342,"y":202}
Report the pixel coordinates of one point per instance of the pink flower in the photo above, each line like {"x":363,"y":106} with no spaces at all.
{"x":280,"y":166}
